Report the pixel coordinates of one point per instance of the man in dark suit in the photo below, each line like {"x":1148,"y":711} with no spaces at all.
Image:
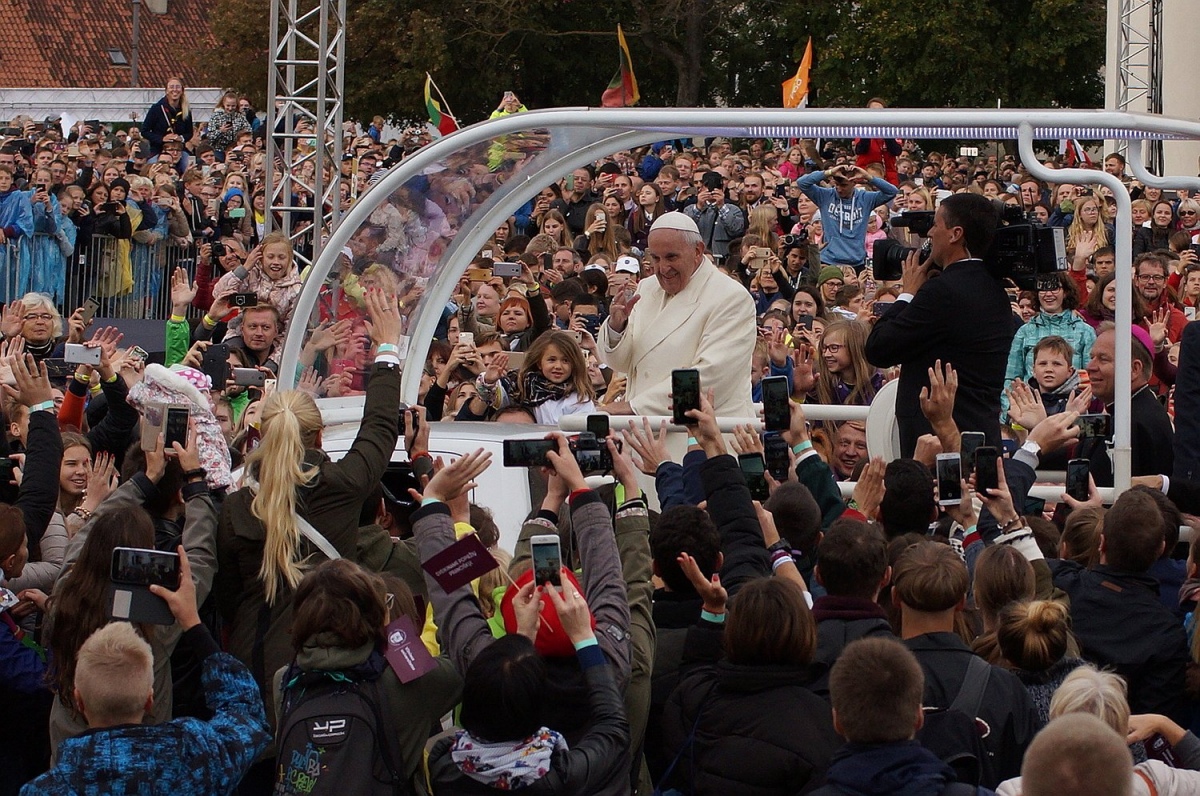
{"x":962,"y":317}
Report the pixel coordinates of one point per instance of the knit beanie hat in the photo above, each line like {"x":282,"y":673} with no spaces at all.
{"x":551,"y":641}
{"x":829,"y":272}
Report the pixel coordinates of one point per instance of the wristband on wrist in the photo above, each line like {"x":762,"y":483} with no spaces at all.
{"x":709,"y":616}
{"x":429,"y":501}
{"x":780,"y":558}
{"x":590,"y":641}
{"x":387,"y":348}
{"x":208,"y":320}
{"x":801,"y":447}
{"x":47,"y":406}
{"x":177,"y":318}
{"x":692,"y":441}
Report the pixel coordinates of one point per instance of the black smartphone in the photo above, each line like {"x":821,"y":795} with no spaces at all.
{"x":547,"y":260}
{"x":777,"y":411}
{"x":968,"y":443}
{"x":781,"y":190}
{"x":244,"y":300}
{"x":216,"y":365}
{"x":712,"y":181}
{"x":775,"y":449}
{"x":1094,"y":426}
{"x":1078,"y":486}
{"x":528,"y":452}
{"x":598,"y":425}
{"x":685,"y":395}
{"x":878,"y":309}
{"x":175,"y":427}
{"x":754,"y":472}
{"x":986,"y":476}
{"x":133,"y":571}
{"x":413,"y":415}
{"x":949,"y":479}
{"x":806,"y":321}
{"x":135,"y":566}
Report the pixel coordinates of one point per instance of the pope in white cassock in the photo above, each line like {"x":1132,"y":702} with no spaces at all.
{"x":689,"y":316}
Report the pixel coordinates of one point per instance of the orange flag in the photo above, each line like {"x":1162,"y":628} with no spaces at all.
{"x":795,"y":90}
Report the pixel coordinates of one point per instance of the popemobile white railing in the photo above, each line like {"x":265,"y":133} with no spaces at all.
{"x":551,"y":143}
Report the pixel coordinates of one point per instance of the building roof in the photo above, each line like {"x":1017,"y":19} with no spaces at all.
{"x":63,"y":45}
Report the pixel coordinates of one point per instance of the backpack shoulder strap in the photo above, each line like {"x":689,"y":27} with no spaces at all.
{"x":314,"y":537}
{"x":970,"y":695}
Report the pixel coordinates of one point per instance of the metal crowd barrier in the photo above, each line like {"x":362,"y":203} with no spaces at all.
{"x":131,"y":280}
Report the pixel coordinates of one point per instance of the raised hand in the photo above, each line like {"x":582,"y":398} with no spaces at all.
{"x":651,"y":448}
{"x":622,"y":306}
{"x":1025,"y":407}
{"x":711,"y":592}
{"x":183,"y":291}
{"x":937,"y":400}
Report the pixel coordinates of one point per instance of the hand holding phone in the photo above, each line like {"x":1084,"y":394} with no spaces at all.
{"x":685,"y":395}
{"x":547,"y":560}
{"x":949,"y":479}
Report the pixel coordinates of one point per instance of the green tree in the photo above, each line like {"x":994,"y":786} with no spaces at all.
{"x":964,"y":53}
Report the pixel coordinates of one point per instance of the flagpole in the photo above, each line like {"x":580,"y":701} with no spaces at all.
{"x":442,"y":97}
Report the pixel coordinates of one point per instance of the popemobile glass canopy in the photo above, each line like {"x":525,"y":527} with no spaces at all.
{"x":419,"y":227}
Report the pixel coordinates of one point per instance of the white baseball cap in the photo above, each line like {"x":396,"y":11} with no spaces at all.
{"x":627,"y":265}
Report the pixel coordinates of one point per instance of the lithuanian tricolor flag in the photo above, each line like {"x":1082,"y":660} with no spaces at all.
{"x":442,"y":120}
{"x":622,"y":90}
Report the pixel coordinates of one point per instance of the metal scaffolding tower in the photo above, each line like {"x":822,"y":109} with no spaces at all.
{"x":1140,"y":65}
{"x":308,"y":48}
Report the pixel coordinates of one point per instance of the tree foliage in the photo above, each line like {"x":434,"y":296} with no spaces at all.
{"x":964,"y":53}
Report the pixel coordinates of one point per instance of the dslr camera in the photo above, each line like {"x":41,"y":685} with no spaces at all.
{"x":888,"y":256}
{"x":797,"y":239}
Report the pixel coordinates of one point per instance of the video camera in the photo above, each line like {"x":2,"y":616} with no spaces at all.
{"x":1022,"y":249}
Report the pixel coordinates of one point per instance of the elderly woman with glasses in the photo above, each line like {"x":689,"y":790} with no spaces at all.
{"x":1189,"y":216}
{"x":35,"y":318}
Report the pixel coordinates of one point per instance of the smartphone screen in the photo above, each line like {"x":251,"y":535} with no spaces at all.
{"x":777,"y":415}
{"x":806,"y":321}
{"x":175,"y":429}
{"x":138,"y":567}
{"x":969,"y":442}
{"x":1077,"y":479}
{"x":528,"y":452}
{"x":949,"y":479}
{"x":754,"y":472}
{"x":1094,"y":426}
{"x":986,"y":476}
{"x":598,"y":425}
{"x":776,"y":454}
{"x":547,"y":560}
{"x":685,"y":395}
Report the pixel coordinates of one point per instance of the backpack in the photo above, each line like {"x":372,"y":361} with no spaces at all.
{"x":956,"y":734}
{"x":330,"y":738}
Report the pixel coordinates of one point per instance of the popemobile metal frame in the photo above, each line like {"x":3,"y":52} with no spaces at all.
{"x":567,"y":138}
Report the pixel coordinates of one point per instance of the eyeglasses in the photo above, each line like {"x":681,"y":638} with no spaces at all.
{"x":44,"y":316}
{"x":1152,"y":277}
{"x":836,"y":283}
{"x":1187,"y":212}
{"x":833,"y":348}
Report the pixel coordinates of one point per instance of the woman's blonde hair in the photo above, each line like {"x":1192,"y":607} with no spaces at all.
{"x":1100,"y":694}
{"x":184,"y":107}
{"x":854,"y":337}
{"x":604,"y":243}
{"x":1077,"y":222}
{"x":1034,"y":634}
{"x":290,"y":423}
{"x":762,"y":223}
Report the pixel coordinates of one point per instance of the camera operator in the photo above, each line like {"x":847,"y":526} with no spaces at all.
{"x":962,"y":317}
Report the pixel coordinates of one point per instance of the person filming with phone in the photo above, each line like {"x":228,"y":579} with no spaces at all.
{"x":691,"y":317}
{"x":962,"y":317}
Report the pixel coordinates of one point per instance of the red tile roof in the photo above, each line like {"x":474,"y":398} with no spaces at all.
{"x":65,"y":45}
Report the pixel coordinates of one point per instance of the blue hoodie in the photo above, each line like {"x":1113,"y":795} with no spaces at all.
{"x":891,"y":769}
{"x":844,"y":221}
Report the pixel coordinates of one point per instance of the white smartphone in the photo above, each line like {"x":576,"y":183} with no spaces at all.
{"x":466,"y":338}
{"x":547,"y":559}
{"x":80,"y":354}
{"x":949,"y":479}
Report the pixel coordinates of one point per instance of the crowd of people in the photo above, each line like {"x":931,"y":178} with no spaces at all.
{"x":357,"y":624}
